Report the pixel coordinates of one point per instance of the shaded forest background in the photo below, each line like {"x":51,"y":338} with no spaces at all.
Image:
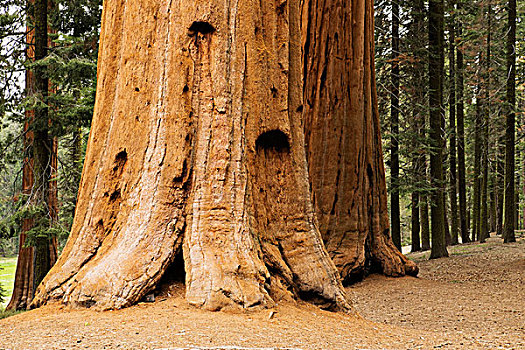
{"x":476,"y":79}
{"x":475,"y":82}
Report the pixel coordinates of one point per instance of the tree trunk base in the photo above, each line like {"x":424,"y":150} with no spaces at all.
{"x":392,"y":262}
{"x":183,"y":155}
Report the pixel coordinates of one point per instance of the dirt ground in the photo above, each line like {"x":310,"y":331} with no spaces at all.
{"x":473,"y":300}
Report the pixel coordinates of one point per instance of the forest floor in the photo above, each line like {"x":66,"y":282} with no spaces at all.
{"x":473,"y":300}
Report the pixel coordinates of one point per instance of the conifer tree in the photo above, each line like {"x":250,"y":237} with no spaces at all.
{"x":510,"y":204}
{"x":436,"y":70}
{"x":394,"y":135}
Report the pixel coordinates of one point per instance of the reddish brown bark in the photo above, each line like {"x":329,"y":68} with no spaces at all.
{"x":343,"y":139}
{"x":196,"y":142}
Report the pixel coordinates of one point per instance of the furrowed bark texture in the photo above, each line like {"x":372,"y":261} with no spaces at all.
{"x":197,"y":143}
{"x":343,"y":142}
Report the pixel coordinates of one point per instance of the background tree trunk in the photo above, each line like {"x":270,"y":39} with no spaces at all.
{"x":484,"y":226}
{"x":510,"y":205}
{"x":343,"y":141}
{"x":476,"y":206}
{"x":39,"y":168}
{"x":516,"y":186}
{"x":416,"y":41}
{"x":395,"y":211}
{"x":197,"y":142}
{"x":425,"y":224}
{"x":416,"y":225}
{"x":436,"y":41}
{"x":500,"y":185}
{"x":460,"y":112}
{"x":492,"y":200}
{"x":452,"y":119}
{"x":448,"y":238}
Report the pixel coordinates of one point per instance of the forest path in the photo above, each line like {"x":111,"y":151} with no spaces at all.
{"x":473,"y":300}
{"x":479,"y":292}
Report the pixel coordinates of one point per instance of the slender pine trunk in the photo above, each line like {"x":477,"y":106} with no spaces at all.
{"x":448,"y":237}
{"x":395,"y":215}
{"x":510,"y":129}
{"x":425,"y":224}
{"x":476,"y":205}
{"x":416,"y":30}
{"x":416,"y":225}
{"x":516,"y":192}
{"x":452,"y":125}
{"x":492,"y":200}
{"x":460,"y":113}
{"x":436,"y":41}
{"x":484,"y":225}
{"x":500,"y":184}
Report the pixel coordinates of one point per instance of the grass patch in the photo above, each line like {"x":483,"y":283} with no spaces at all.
{"x":6,"y":314}
{"x":7,"y":278}
{"x":418,"y":257}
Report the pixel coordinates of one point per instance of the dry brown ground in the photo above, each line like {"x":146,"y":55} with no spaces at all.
{"x":473,"y":300}
{"x":478,"y":293}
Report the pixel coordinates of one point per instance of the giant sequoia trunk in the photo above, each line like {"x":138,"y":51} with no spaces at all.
{"x":197,"y":143}
{"x":343,"y":138}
